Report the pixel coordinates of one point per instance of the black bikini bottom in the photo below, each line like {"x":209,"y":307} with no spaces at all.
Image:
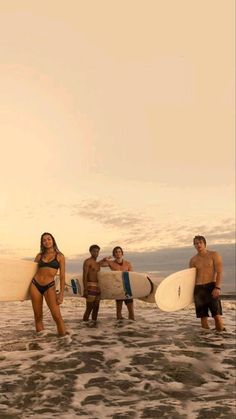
{"x":42,"y":288}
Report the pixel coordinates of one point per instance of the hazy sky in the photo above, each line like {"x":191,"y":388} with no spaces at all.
{"x":117,"y":123}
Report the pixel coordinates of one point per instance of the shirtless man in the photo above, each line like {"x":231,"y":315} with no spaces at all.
{"x":120,"y":264}
{"x":91,"y":287}
{"x":208,"y":282}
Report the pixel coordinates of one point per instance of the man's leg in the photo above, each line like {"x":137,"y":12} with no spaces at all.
{"x":130,"y":307}
{"x":219,"y":323}
{"x":89,"y":307}
{"x":201,"y":305}
{"x":95,"y":310}
{"x":119,"y":309}
{"x":216,"y":312}
{"x":204,"y":323}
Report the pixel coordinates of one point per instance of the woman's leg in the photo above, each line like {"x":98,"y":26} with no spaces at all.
{"x":51,"y":300}
{"x":37,"y":303}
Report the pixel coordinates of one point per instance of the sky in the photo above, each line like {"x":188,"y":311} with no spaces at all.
{"x":117,"y":124}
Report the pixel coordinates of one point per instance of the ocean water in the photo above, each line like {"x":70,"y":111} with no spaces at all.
{"x":163,"y":365}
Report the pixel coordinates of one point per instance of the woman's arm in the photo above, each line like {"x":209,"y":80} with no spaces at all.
{"x":60,"y":295}
{"x":38,"y":257}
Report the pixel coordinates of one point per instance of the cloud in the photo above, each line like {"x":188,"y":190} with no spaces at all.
{"x":133,"y":224}
{"x":140,"y":230}
{"x":220,"y":233}
{"x":107,"y":214}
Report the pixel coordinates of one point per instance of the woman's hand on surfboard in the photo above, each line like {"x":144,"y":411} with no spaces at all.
{"x":59,"y":298}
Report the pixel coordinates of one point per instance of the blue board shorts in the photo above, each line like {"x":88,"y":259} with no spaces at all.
{"x":204,"y":301}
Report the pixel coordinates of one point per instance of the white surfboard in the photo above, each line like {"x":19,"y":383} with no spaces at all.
{"x":155,"y":283}
{"x":113,"y":285}
{"x":15,"y":278}
{"x":176,"y":291}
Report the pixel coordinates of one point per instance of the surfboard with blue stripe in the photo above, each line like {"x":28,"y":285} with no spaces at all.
{"x":114,"y":285}
{"x":126,"y":285}
{"x":74,"y":286}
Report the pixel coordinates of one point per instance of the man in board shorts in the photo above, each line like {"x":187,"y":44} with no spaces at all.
{"x":208,"y":283}
{"x":91,"y":287}
{"x":120,"y":264}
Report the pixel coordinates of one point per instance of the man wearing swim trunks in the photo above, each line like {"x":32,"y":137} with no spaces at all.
{"x":120,"y":264}
{"x":91,"y":287}
{"x":208,"y":283}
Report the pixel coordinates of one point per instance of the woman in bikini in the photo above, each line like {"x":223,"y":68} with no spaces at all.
{"x":49,"y":260}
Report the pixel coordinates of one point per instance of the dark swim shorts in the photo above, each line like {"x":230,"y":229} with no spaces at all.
{"x":127,"y":301}
{"x":204,"y":301}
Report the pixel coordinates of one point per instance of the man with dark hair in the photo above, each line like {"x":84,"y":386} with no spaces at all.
{"x":94,"y":247}
{"x":91,"y":287}
{"x":201,"y":238}
{"x":208,"y":283}
{"x":120,"y":264}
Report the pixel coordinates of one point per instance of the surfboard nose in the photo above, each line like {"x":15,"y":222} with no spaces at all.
{"x":175,"y":292}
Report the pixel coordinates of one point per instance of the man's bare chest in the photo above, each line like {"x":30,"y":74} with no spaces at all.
{"x":204,"y":263}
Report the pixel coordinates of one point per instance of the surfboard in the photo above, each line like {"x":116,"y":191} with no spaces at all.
{"x":15,"y":278}
{"x":175,"y":292}
{"x":114,"y":285}
{"x":151,"y":297}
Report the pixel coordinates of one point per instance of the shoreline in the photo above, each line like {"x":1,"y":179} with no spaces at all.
{"x":228,"y":296}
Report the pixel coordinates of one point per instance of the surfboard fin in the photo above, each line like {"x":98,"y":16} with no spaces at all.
{"x":74,"y":286}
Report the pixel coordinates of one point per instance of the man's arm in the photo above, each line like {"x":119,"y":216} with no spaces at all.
{"x":191,"y":263}
{"x":130,"y":267}
{"x":105,"y":261}
{"x":218,"y":268}
{"x":85,"y":278}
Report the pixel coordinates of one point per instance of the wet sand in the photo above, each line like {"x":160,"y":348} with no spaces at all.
{"x":163,"y":365}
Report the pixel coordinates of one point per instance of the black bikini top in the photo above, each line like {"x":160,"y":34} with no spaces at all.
{"x":54,"y":264}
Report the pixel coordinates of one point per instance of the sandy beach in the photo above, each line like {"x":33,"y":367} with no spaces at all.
{"x":163,"y":365}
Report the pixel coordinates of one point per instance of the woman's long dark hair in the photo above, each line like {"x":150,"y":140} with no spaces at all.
{"x":42,"y":248}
